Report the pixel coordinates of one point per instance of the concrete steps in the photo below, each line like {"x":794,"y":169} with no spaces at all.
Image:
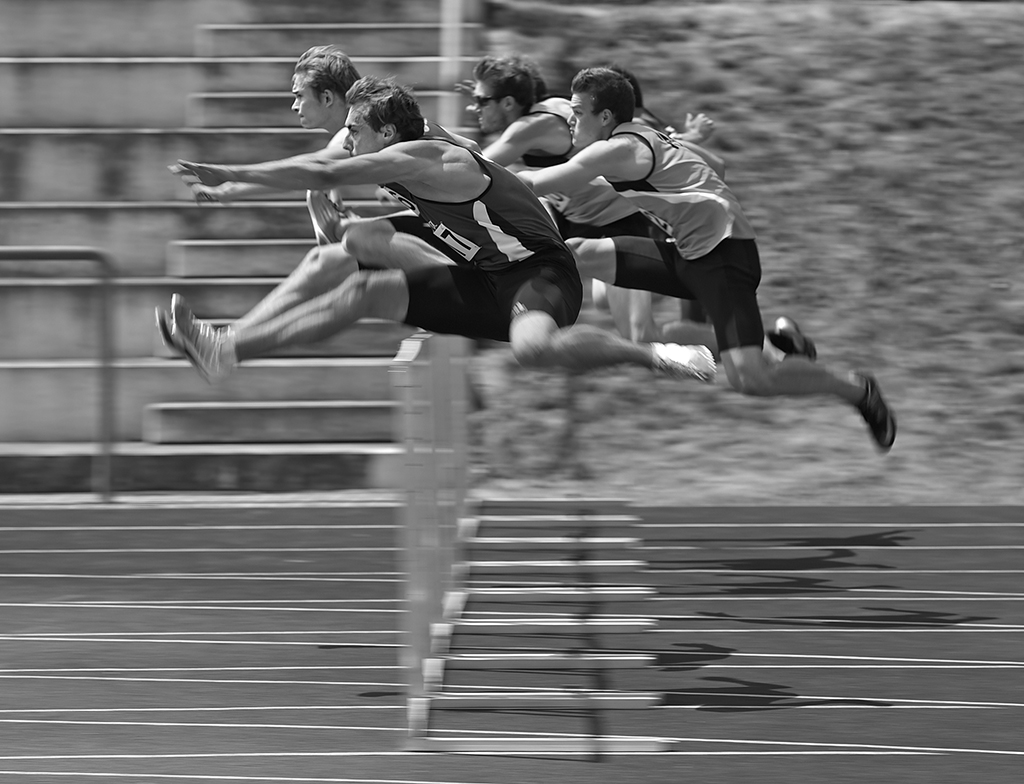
{"x":137,"y":234}
{"x":359,"y":39}
{"x":235,"y":258}
{"x":270,"y":422}
{"x":66,"y":467}
{"x":58,"y":400}
{"x":168,"y":27}
{"x":115,"y":92}
{"x":53,"y":318}
{"x":273,"y":109}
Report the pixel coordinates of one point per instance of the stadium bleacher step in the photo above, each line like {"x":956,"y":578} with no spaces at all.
{"x":58,"y":400}
{"x":59,"y":317}
{"x":167,"y":27}
{"x":139,"y":467}
{"x":236,"y":257}
{"x":123,"y":86}
{"x":354,"y":38}
{"x":136,"y":234}
{"x":273,"y":109}
{"x":282,"y":421}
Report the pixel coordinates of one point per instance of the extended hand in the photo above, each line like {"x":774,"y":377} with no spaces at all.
{"x":201,"y":173}
{"x":698,"y":128}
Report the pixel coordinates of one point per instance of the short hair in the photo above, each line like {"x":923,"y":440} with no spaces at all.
{"x":327,"y":68}
{"x":382,"y":101}
{"x":608,"y":89}
{"x":512,"y":75}
{"x":638,"y":95}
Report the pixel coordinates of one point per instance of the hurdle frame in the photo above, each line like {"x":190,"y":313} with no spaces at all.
{"x":429,"y":379}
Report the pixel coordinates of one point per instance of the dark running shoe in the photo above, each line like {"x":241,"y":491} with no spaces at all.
{"x":877,"y":414}
{"x":787,"y":338}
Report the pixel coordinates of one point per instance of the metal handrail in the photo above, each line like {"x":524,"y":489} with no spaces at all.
{"x":102,"y":467}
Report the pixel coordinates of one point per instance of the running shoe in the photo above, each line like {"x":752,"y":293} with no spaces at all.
{"x":877,"y":414}
{"x":786,"y":336}
{"x":201,"y":343}
{"x":163,"y":326}
{"x":672,"y":359}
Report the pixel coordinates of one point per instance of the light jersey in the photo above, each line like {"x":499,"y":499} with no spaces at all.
{"x":683,"y":195}
{"x":327,"y":208}
{"x":593,"y":204}
{"x":504,"y":225}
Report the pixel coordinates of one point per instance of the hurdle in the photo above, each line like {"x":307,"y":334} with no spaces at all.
{"x":518,"y":555}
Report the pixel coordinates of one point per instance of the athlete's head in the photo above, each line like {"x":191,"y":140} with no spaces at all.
{"x":381,"y":112}
{"x":506,"y":87}
{"x":601,"y":100}
{"x":638,"y":96}
{"x":322,"y":76}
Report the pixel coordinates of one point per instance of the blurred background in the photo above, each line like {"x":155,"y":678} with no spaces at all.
{"x":876,"y":147}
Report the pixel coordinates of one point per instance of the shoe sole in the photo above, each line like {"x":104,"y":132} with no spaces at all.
{"x":181,"y":346}
{"x":164,"y":328}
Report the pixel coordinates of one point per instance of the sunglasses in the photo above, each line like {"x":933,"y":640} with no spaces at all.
{"x":482,"y":100}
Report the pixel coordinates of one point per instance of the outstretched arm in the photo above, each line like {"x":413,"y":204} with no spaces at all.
{"x":318,"y":171}
{"x":615,"y":160}
{"x":229,"y":190}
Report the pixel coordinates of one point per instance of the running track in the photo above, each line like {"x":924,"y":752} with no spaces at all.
{"x":257,"y":641}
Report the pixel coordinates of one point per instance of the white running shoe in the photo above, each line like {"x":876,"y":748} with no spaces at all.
{"x":672,"y":359}
{"x":202,"y":344}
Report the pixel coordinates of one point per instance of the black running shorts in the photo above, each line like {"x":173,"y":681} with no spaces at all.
{"x":634,"y":225}
{"x":724,"y":282}
{"x":464,"y":300}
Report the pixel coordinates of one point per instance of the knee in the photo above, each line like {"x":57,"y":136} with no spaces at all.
{"x":361,"y":236}
{"x":530,"y":339}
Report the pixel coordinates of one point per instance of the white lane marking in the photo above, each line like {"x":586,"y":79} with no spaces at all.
{"x":835,"y":571}
{"x":253,"y":633}
{"x":811,"y":628}
{"x":327,"y":577}
{"x":193,"y":550}
{"x":77,"y":606}
{"x":198,"y":529}
{"x":903,"y":527}
{"x":185,"y":641}
{"x":267,"y":668}
{"x":730,"y":547}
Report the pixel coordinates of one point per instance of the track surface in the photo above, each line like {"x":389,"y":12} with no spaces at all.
{"x":206,"y":642}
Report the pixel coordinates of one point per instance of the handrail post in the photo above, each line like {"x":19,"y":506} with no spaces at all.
{"x":102,"y":468}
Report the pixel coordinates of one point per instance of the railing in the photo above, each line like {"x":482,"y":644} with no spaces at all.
{"x":428,"y":376}
{"x":101,"y":473}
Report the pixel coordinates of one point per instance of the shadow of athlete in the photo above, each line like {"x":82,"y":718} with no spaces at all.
{"x":741,"y":696}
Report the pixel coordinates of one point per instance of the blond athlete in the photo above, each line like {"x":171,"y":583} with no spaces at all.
{"x":513,"y":278}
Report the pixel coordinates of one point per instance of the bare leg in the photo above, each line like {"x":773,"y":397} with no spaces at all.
{"x":372,"y":240}
{"x":751,"y":374}
{"x":323,"y":269}
{"x":631,"y":312}
{"x":537,"y":341}
{"x":366,"y":293}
